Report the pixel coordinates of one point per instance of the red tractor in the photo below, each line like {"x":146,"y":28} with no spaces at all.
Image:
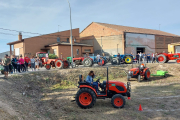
{"x":116,"y":90}
{"x":164,"y":57}
{"x":142,"y":70}
{"x":48,"y":63}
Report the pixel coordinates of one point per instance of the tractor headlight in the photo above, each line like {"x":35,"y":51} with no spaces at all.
{"x":130,"y":73}
{"x":141,"y":67}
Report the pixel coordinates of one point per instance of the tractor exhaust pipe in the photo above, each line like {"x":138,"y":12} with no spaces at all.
{"x":107,"y":81}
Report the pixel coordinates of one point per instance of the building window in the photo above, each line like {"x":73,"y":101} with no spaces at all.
{"x":68,"y":40}
{"x":77,"y":51}
{"x":55,"y":52}
{"x":87,"y":50}
{"x":74,"y":40}
{"x":58,"y":39}
{"x":16,"y":51}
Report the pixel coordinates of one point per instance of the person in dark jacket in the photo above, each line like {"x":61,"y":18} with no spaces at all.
{"x":14,"y":63}
{"x":137,"y":58}
{"x":119,"y":58}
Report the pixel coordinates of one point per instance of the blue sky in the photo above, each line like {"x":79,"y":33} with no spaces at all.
{"x":44,"y":16}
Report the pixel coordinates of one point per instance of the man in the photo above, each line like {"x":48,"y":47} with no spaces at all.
{"x":98,"y":58}
{"x":27,"y":60}
{"x":6,"y":63}
{"x":14,"y":63}
{"x":148,"y":57}
{"x":137,"y":58}
{"x":119,"y":58}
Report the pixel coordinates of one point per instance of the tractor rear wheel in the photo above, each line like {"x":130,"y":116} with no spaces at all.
{"x":48,"y":66}
{"x":128,"y":59}
{"x":139,"y":78}
{"x":87,"y":62}
{"x":59,"y":64}
{"x":161,"y":58}
{"x":178,"y":61}
{"x":118,"y":101}
{"x":147,"y":74}
{"x":114,"y":61}
{"x":85,"y":98}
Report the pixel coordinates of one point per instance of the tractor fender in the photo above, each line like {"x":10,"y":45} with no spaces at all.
{"x":145,"y":70}
{"x":87,"y":86}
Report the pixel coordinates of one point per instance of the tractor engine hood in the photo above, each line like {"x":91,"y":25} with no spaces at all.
{"x":134,"y":69}
{"x":117,"y":83}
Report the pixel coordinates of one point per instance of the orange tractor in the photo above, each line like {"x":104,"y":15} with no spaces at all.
{"x":48,"y":63}
{"x":141,"y":70}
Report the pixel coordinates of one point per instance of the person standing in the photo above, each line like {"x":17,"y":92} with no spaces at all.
{"x":98,"y":58}
{"x":32,"y":63}
{"x":10,"y":66}
{"x":140,"y":57}
{"x":137,"y":58}
{"x":153,"y":58}
{"x":22,"y":66}
{"x":18,"y":65}
{"x":37,"y":63}
{"x":27,"y":61}
{"x":6,"y":63}
{"x":119,"y":58}
{"x":14,"y":63}
{"x":148,"y":57}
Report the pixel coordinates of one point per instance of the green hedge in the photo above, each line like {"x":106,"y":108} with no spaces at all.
{"x":52,"y":56}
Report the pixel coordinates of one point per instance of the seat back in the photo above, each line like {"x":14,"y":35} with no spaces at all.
{"x":81,"y":78}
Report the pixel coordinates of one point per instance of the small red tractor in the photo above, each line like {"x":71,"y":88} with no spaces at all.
{"x":86,"y":61}
{"x":116,"y":90}
{"x":141,"y":70}
{"x":164,"y":57}
{"x":48,"y":63}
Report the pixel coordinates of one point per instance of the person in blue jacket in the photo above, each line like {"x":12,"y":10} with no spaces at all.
{"x":89,"y":79}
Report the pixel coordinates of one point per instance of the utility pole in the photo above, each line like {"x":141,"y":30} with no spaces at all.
{"x":71,"y":36}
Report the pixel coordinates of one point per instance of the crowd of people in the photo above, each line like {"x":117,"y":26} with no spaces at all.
{"x":146,"y":57}
{"x":19,"y":64}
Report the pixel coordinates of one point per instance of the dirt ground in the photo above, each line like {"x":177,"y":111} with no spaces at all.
{"x":47,"y":96}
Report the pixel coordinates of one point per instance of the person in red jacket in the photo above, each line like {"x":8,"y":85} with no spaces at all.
{"x":27,"y":60}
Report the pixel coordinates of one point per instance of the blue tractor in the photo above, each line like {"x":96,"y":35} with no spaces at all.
{"x":127,"y":59}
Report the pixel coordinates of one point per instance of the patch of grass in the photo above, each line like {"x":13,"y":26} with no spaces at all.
{"x":65,"y":84}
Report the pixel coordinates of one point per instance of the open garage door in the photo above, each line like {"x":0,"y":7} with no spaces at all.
{"x":177,"y":49}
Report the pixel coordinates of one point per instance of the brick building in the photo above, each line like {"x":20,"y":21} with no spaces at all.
{"x":56,"y":43}
{"x":113,"y":39}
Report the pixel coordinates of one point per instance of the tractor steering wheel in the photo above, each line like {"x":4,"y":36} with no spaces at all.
{"x":98,"y":80}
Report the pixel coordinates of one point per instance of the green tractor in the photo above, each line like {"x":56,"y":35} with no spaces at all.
{"x":2,"y":69}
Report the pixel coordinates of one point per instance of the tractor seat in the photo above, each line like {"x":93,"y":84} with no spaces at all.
{"x":83,"y":83}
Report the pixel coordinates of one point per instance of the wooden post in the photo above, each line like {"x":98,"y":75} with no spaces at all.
{"x":10,"y":51}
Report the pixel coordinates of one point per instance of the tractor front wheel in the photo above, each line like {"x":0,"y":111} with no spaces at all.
{"x":48,"y":66}
{"x":139,"y":78}
{"x":85,"y":98}
{"x":59,"y":64}
{"x":114,"y":61}
{"x":118,"y":101}
{"x":147,"y":74}
{"x":178,"y":61}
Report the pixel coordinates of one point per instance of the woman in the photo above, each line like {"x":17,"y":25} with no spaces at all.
{"x":89,"y":79}
{"x":22,"y":66}
{"x":32,"y":63}
{"x":37,"y":63}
